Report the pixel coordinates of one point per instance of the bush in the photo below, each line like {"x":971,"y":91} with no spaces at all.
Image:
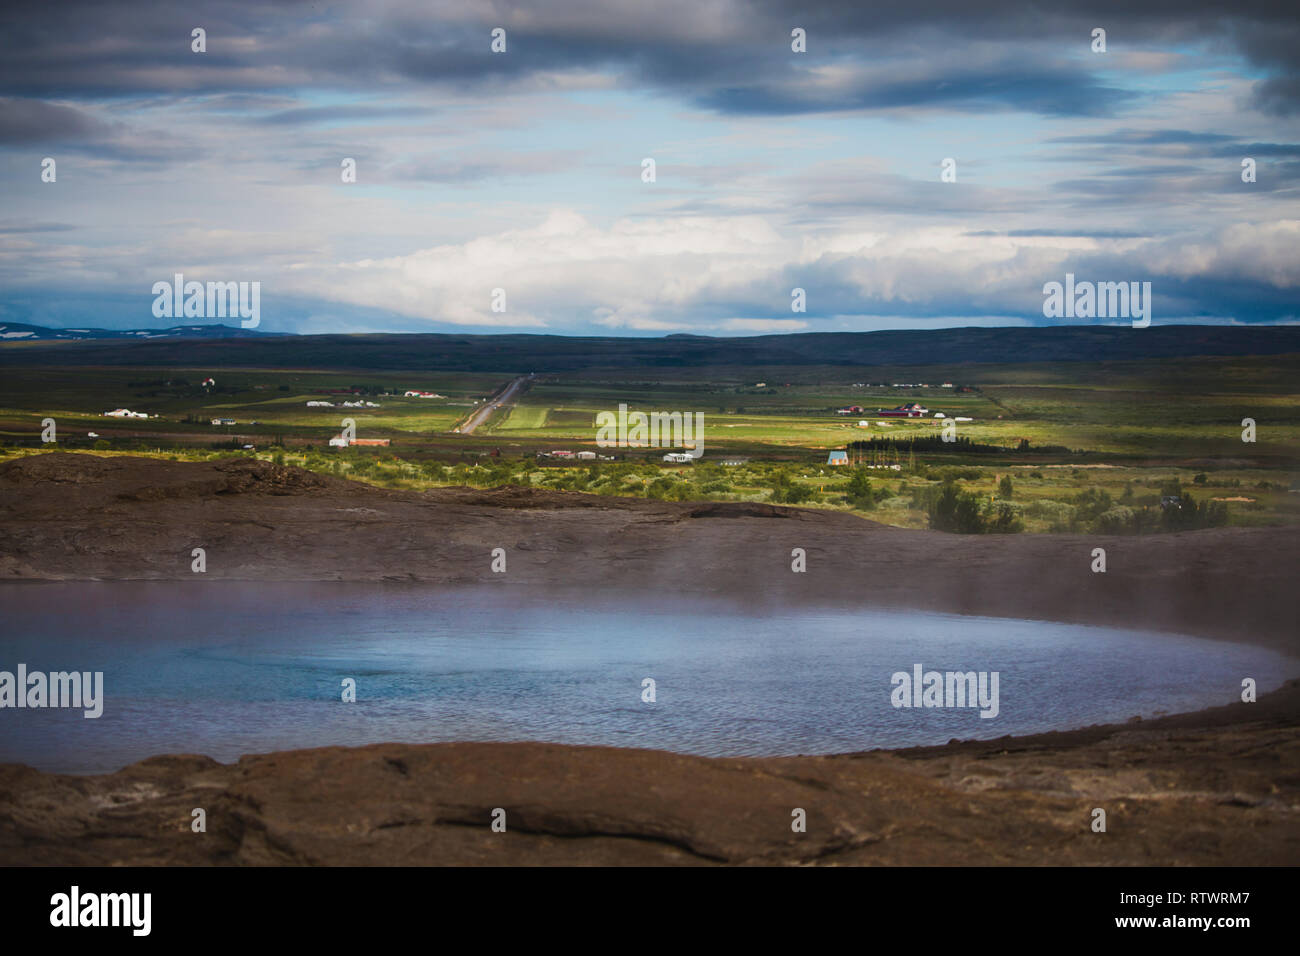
{"x":1092,"y":503}
{"x":1003,"y":519}
{"x":793,"y":494}
{"x":1118,"y":520}
{"x":956,"y":511}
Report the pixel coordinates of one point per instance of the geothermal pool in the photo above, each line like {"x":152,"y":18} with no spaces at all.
{"x":226,"y":669}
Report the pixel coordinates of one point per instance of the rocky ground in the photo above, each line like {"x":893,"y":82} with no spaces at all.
{"x":1218,"y":787}
{"x":83,"y":517}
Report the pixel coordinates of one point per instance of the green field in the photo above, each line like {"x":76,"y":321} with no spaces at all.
{"x":1125,"y":430}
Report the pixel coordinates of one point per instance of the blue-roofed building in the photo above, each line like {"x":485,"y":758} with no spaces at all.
{"x":838,"y":458}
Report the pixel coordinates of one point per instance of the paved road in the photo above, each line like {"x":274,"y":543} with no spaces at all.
{"x":481,"y":414}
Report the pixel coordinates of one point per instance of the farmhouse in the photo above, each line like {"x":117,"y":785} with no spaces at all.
{"x":125,"y":413}
{"x":678,"y":458}
{"x":411,"y":393}
{"x":223,"y":421}
{"x":849,"y":410}
{"x":909,"y":410}
{"x":838,"y":458}
{"x":587,"y":455}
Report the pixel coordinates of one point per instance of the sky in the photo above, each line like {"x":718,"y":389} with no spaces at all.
{"x":524,"y":170}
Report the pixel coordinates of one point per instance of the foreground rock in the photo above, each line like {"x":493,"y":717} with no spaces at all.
{"x":1216,"y":788}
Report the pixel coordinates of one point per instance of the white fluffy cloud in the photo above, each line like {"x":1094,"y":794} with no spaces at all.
{"x":736,"y":274}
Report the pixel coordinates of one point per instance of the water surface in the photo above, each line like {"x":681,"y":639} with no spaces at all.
{"x":226,"y":669}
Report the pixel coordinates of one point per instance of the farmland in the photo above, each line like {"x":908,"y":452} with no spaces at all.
{"x":1051,"y":444}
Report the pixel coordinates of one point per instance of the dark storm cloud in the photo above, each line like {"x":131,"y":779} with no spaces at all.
{"x":25,"y":122}
{"x":35,"y":123}
{"x":732,"y":57}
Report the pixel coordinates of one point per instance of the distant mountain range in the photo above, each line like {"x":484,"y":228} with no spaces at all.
{"x":216,"y":346}
{"x":19,"y":332}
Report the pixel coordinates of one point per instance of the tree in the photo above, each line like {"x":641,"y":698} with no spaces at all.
{"x":1004,"y":487}
{"x":860,"y":494}
{"x":956,"y":511}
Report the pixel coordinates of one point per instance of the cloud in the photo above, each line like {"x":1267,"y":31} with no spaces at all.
{"x":24,"y":122}
{"x":520,"y":170}
{"x":730,"y":55}
{"x":737,"y":274}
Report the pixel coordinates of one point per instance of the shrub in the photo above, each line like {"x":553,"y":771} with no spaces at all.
{"x":859,"y":493}
{"x":793,"y":494}
{"x":1003,"y":519}
{"x":1091,"y":503}
{"x":1118,"y":520}
{"x":956,"y":511}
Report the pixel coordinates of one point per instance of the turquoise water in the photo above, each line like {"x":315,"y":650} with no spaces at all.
{"x":228,"y":669}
